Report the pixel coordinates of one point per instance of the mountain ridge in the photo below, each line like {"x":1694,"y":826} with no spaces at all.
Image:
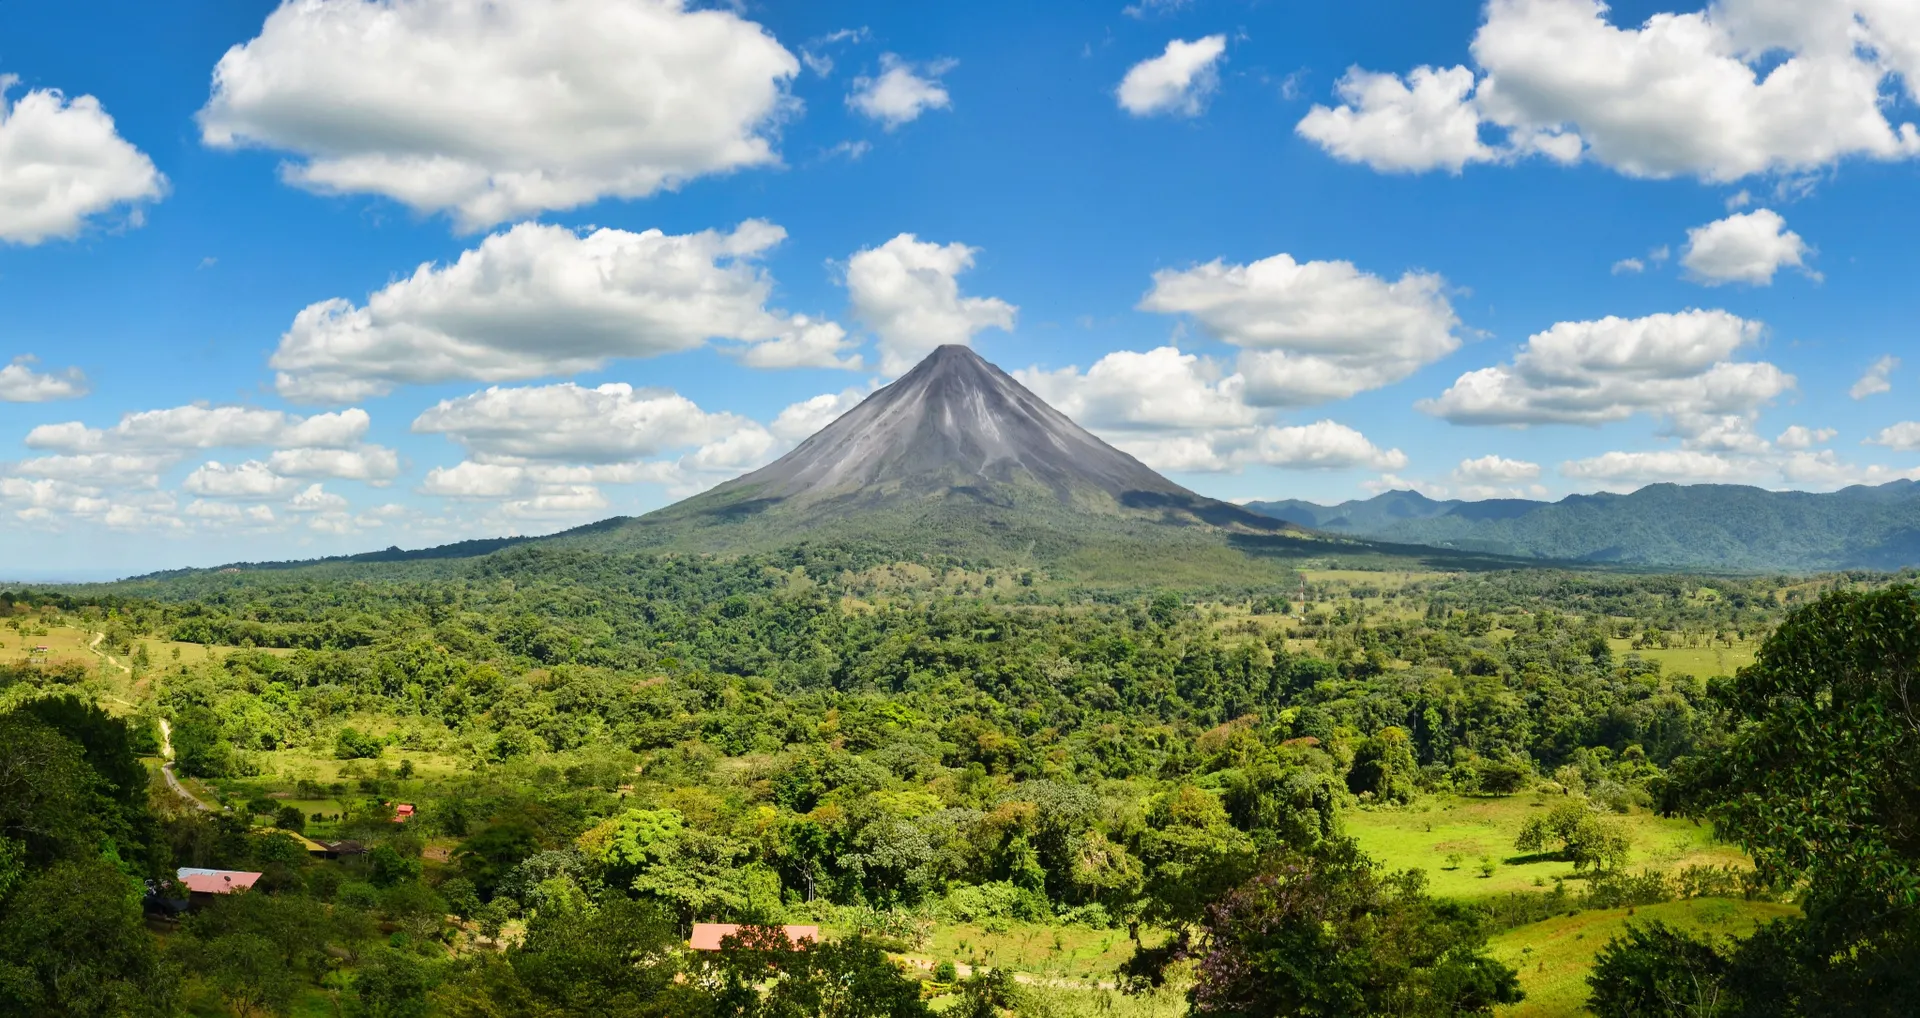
{"x":1721,"y":526}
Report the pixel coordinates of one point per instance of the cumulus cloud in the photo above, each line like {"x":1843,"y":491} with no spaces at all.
{"x":802,"y":419}
{"x":1687,"y":466}
{"x":1877,"y":380}
{"x":1747,"y":247}
{"x":908,"y":292}
{"x":1312,"y":331}
{"x":1425,"y":122}
{"x":371,"y":463}
{"x":1629,"y":267}
{"x":1178,"y":411}
{"x":901,"y":92}
{"x":474,"y":480}
{"x":1158,"y":390}
{"x":537,"y":449}
{"x":204,"y":427}
{"x":1178,"y":81}
{"x":1496,"y":470}
{"x":613,"y":423}
{"x":98,"y":469}
{"x":542,"y":300}
{"x":249,"y":480}
{"x":1904,"y":436}
{"x":1802,"y":437}
{"x":19,"y":383}
{"x":226,"y":514}
{"x":1743,"y":87}
{"x":63,"y":164}
{"x":1679,"y":367}
{"x":500,"y":110}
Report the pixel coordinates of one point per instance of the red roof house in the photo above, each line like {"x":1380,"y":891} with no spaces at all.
{"x":402,"y":812}
{"x":201,"y":881}
{"x":707,"y":936}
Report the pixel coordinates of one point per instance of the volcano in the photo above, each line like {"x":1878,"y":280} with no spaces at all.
{"x":954,"y":455}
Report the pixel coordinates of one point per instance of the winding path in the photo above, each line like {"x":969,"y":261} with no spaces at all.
{"x":166,"y":768}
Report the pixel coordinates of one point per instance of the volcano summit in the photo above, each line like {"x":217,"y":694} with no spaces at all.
{"x":954,"y":455}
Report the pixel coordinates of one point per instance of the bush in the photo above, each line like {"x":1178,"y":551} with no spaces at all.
{"x":353,"y":744}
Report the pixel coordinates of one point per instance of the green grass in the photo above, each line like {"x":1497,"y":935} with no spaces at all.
{"x":1075,"y":954}
{"x":1554,"y":956}
{"x":1422,"y":836}
{"x":1699,"y":662}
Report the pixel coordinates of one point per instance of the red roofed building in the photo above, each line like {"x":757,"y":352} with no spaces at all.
{"x":402,"y":812}
{"x":202,"y":884}
{"x":707,"y":936}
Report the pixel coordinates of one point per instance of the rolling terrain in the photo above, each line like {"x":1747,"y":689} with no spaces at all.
{"x":1698,"y":526}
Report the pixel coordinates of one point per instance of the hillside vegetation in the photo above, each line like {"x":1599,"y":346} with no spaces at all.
{"x":997,"y":790}
{"x":1699,"y":526}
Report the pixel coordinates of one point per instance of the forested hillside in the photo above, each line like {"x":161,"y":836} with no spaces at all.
{"x":996,"y":792}
{"x":1699,"y":526}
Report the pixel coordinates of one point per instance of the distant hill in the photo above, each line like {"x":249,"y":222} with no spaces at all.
{"x":1699,"y":526}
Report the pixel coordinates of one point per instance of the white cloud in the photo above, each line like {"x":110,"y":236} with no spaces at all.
{"x":374,"y":464}
{"x":1496,"y":470}
{"x":545,"y":446}
{"x":1747,"y":247}
{"x":543,"y":300}
{"x":316,"y":499}
{"x":1904,"y":436}
{"x":1178,"y":411}
{"x":62,"y":163}
{"x":226,"y":514}
{"x":1322,"y":445}
{"x":1629,"y":267}
{"x":474,"y":480}
{"x":1424,"y":123}
{"x":1820,"y":469}
{"x":1161,"y":389}
{"x":1313,"y":331}
{"x":99,"y":469}
{"x":19,"y":383}
{"x":1877,"y":379}
{"x":613,"y":423}
{"x":901,"y":93}
{"x":1825,"y":469}
{"x":1147,"y":8}
{"x":1685,"y":466}
{"x":250,"y":480}
{"x":1741,"y":88}
{"x":805,"y":344}
{"x":1675,"y":366}
{"x":1178,"y":81}
{"x":558,"y":503}
{"x":504,"y":109}
{"x":1802,"y":437}
{"x":202,"y":427}
{"x":908,"y":293}
{"x":802,"y":419}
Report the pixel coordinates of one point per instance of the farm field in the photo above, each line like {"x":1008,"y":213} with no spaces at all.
{"x":1554,"y":956}
{"x":1424,"y":835}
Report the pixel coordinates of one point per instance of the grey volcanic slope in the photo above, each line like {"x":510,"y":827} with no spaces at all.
{"x":953,"y":420}
{"x":954,"y":454}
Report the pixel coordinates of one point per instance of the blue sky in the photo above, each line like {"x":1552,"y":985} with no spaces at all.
{"x":346,"y":274}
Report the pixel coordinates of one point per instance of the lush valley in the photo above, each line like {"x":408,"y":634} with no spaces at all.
{"x":1014,"y":793}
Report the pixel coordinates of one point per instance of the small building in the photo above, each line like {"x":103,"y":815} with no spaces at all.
{"x":402,"y":812}
{"x":341,"y":849}
{"x":707,"y":936}
{"x":203,"y":884}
